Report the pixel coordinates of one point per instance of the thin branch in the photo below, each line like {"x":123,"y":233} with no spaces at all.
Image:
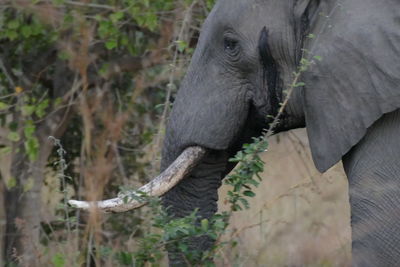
{"x":7,"y":73}
{"x":74,"y":3}
{"x":283,"y":105}
{"x":297,"y":76}
{"x":7,"y":96}
{"x":119,"y":162}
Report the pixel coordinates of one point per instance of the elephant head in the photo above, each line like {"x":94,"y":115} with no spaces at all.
{"x":243,"y":65}
{"x":244,"y":62}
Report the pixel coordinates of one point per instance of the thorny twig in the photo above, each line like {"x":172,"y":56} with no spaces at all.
{"x":62,"y":166}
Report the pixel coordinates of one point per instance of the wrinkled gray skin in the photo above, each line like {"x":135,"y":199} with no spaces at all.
{"x":350,"y":104}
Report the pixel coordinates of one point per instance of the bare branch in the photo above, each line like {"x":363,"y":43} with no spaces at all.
{"x":7,"y":73}
{"x":76,"y":3}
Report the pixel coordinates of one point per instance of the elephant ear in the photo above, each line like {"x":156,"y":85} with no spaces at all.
{"x":356,"y":75}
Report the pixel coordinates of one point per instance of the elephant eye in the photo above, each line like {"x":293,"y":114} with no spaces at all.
{"x":230,"y":45}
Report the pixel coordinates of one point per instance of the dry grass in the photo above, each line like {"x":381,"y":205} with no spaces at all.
{"x":299,"y":216}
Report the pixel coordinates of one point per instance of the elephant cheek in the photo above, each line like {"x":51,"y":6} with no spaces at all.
{"x":214,"y":123}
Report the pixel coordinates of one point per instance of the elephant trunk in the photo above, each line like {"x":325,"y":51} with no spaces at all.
{"x":197,"y":191}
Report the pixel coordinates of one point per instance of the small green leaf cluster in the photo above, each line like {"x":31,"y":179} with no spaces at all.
{"x":25,"y":29}
{"x":58,"y":260}
{"x":178,"y":233}
{"x":171,"y":232}
{"x":31,"y":142}
{"x":247,"y":174}
{"x":125,"y":26}
{"x":31,"y":110}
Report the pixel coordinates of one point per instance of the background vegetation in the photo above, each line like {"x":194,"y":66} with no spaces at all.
{"x":99,"y":78}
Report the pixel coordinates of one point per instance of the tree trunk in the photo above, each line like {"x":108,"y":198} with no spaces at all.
{"x":2,"y":222}
{"x":22,"y":198}
{"x":23,"y":205}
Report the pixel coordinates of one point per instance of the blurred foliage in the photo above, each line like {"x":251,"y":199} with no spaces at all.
{"x":99,"y":76}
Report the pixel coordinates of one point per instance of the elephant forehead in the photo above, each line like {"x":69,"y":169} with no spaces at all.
{"x":251,"y":15}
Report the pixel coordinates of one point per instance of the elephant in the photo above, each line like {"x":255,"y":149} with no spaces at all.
{"x":242,"y":65}
{"x":348,"y":100}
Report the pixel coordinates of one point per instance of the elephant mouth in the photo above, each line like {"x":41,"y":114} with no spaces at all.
{"x":132,"y":199}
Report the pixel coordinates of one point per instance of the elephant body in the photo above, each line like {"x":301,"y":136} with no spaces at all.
{"x":374,"y":189}
{"x":349,"y":103}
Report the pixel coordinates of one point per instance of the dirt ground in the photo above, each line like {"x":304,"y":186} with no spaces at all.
{"x":299,"y":217}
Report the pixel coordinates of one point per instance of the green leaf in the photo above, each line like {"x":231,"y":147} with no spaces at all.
{"x":5,"y":150}
{"x":13,"y":24}
{"x":32,"y":148}
{"x":319,"y":58}
{"x":311,"y":36}
{"x":28,"y":185}
{"x":204,"y":225}
{"x":26,"y":31}
{"x":40,"y":110}
{"x":111,"y":44}
{"x":37,"y":28}
{"x":151,"y":21}
{"x":13,"y":136}
{"x":182,"y":45}
{"x":3,"y":105}
{"x":58,"y":101}
{"x":299,"y":84}
{"x":253,"y":182}
{"x":183,"y":247}
{"x":27,"y":110}
{"x":219,"y":224}
{"x":58,"y":260}
{"x":105,"y":28}
{"x":11,"y":34}
{"x":244,"y":202}
{"x":249,"y":193}
{"x":104,"y":69}
{"x":124,"y":40}
{"x":11,"y":183}
{"x":125,"y":258}
{"x":29,"y":129}
{"x":115,"y":17}
{"x":64,"y":55}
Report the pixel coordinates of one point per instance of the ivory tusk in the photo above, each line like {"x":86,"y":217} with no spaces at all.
{"x":129,"y":200}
